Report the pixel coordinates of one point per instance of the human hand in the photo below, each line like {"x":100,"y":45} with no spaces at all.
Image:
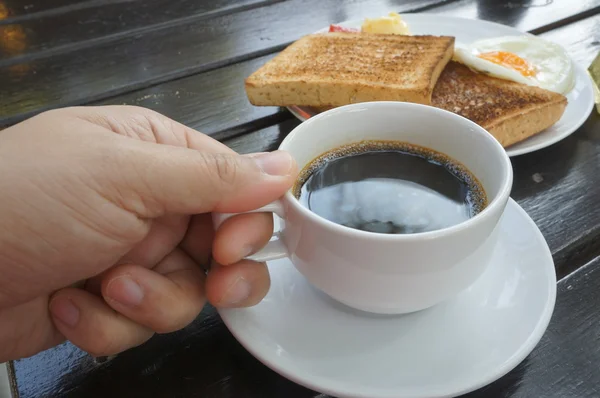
{"x":120,"y":197}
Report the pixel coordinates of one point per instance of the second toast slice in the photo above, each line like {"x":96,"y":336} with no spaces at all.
{"x":511,"y":112}
{"x":335,"y":69}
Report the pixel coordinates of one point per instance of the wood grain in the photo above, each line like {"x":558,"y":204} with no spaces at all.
{"x":200,"y":101}
{"x":569,"y":170}
{"x":209,"y":102}
{"x":89,"y":24}
{"x":167,"y":52}
{"x":553,"y":185}
{"x":262,"y":140}
{"x":204,"y":360}
{"x":12,"y":11}
{"x":74,"y":78}
{"x":564,"y":364}
{"x":557,"y":186}
{"x":521,"y":13}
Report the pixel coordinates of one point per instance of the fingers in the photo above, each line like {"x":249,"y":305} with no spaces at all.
{"x":241,"y":236}
{"x":135,"y":302}
{"x":198,"y":240}
{"x":146,"y":125}
{"x":26,"y":330}
{"x":240,"y":285}
{"x":164,"y":300}
{"x":191,"y":174}
{"x":185,"y":181}
{"x":89,"y":323}
{"x":165,"y":234}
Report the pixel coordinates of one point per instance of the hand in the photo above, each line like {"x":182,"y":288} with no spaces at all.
{"x":120,"y":197}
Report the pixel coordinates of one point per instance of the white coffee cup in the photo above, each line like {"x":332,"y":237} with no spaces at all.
{"x":382,"y":273}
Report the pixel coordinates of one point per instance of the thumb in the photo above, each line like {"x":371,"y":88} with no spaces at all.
{"x":180,"y":180}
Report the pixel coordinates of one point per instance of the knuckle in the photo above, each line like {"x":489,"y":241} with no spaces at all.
{"x":225,"y":168}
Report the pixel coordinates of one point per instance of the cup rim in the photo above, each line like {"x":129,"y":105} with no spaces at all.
{"x":493,"y":206}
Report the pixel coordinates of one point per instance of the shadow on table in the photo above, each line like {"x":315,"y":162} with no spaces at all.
{"x":542,"y":170}
{"x":203,"y":360}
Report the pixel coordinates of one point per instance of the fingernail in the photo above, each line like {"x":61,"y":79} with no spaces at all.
{"x":278,"y":163}
{"x":238,"y":292}
{"x":65,"y":311}
{"x":126,"y":291}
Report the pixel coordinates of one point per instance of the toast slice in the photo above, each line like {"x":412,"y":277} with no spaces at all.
{"x":510,"y":111}
{"x":334,"y":69}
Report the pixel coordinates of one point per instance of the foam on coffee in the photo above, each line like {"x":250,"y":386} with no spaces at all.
{"x":425,"y":198}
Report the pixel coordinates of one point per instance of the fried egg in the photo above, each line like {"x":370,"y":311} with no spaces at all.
{"x":522,"y":59}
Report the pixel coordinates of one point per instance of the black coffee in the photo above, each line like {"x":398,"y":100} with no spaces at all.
{"x":390,"y":187}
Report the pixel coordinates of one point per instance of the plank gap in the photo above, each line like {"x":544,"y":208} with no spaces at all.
{"x":71,"y":47}
{"x":566,"y":21}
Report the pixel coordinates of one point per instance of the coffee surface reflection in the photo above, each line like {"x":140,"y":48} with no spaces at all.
{"x":389,"y":187}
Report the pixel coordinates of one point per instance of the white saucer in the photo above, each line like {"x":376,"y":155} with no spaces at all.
{"x":581,"y":98}
{"x":448,"y":350}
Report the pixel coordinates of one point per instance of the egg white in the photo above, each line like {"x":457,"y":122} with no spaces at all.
{"x":553,"y":65}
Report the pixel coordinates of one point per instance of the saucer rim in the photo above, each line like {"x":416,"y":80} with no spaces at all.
{"x":323,"y":385}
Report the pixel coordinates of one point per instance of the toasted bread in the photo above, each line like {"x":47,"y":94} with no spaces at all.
{"x":510,"y":111}
{"x":335,"y":69}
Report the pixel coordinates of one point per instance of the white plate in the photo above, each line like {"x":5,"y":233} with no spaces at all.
{"x":450,"y":349}
{"x":4,"y":384}
{"x":581,"y":98}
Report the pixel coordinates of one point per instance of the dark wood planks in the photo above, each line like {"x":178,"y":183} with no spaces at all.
{"x":131,"y":62}
{"x":204,"y":360}
{"x":553,"y":185}
{"x":67,"y":79}
{"x":522,"y":13}
{"x":200,"y":101}
{"x":209,"y":102}
{"x":15,"y":10}
{"x":558,"y":186}
{"x":565,"y":363}
{"x":68,"y":28}
{"x":173,"y":365}
{"x":581,"y":39}
{"x":563,"y":204}
{"x":262,"y":140}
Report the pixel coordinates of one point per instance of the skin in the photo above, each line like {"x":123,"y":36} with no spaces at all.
{"x":117,"y":201}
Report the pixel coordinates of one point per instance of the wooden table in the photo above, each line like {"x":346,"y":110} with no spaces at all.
{"x":187,"y":59}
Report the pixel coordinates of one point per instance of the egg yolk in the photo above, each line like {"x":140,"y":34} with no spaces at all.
{"x":509,"y":60}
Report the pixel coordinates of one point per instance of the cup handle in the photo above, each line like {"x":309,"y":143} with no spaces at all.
{"x":275,"y":249}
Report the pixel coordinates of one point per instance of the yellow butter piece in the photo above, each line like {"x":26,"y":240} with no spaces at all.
{"x":391,"y":24}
